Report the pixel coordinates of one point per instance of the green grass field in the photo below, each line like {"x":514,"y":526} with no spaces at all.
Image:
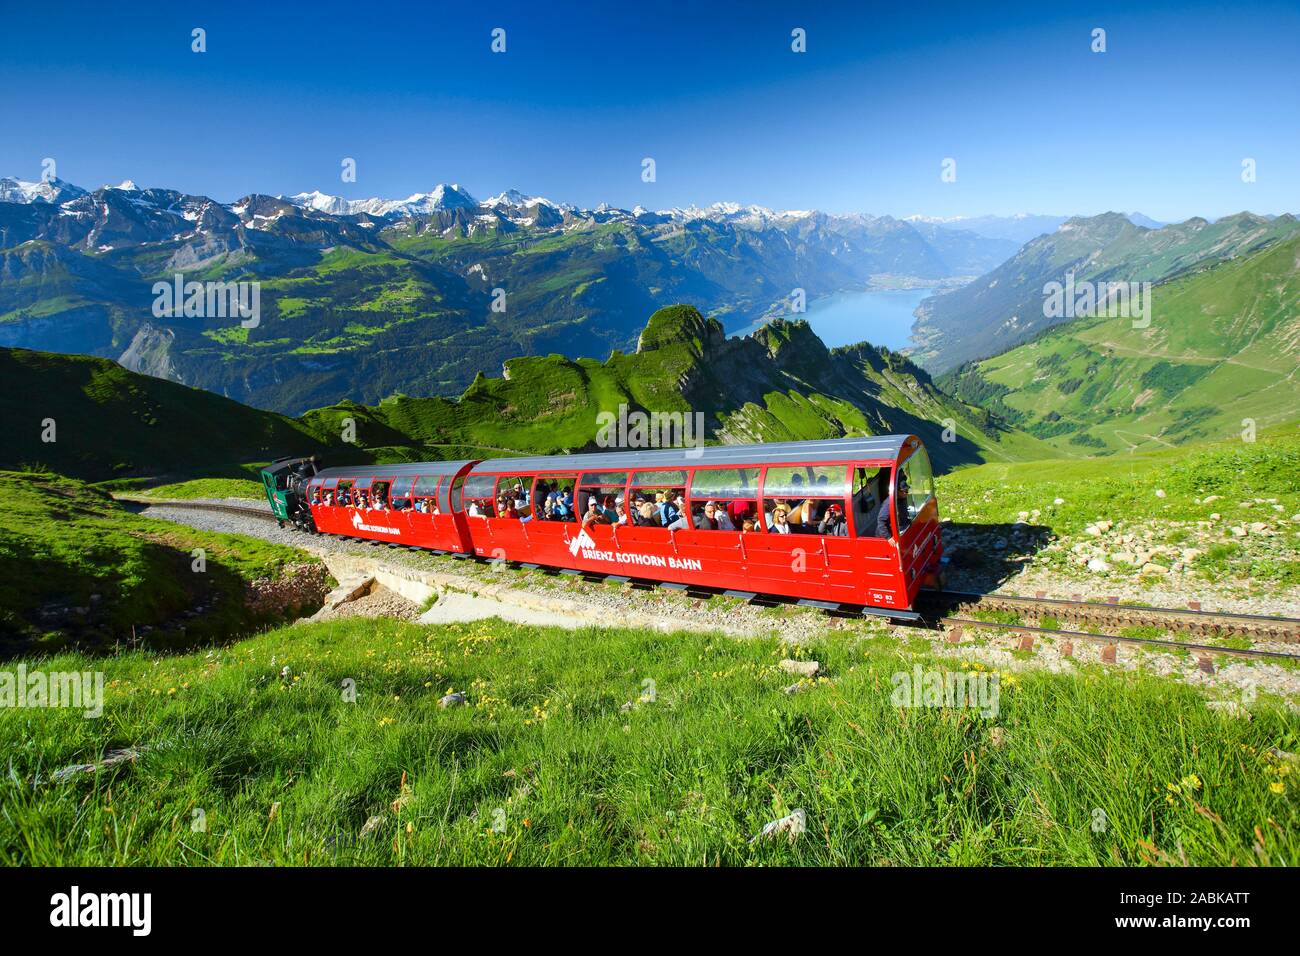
{"x":209,"y":488}
{"x":1219,"y":352}
{"x":1167,"y":490}
{"x":76,"y":567}
{"x":544,"y":766}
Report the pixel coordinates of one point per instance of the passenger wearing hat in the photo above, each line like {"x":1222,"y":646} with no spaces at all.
{"x":833,"y":523}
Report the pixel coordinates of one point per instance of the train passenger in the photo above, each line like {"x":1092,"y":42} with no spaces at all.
{"x":780,"y":520}
{"x":883,"y":530}
{"x":510,"y":510}
{"x":738,"y":510}
{"x":748,"y":525}
{"x":608,"y":509}
{"x":473,"y":511}
{"x":645,"y":516}
{"x":594,"y":515}
{"x":714,"y":519}
{"x":832,"y":522}
{"x":669,"y":511}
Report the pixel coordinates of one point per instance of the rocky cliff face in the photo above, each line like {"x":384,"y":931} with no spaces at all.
{"x":149,"y":354}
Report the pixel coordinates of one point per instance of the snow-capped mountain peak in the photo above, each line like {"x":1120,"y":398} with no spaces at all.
{"x":47,"y":190}
{"x":442,"y":196}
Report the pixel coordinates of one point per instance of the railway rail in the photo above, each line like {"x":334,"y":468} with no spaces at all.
{"x":1191,"y":620}
{"x":938,"y":605}
{"x":243,"y":512}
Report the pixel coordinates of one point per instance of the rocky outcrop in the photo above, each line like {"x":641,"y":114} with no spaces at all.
{"x":150,"y":354}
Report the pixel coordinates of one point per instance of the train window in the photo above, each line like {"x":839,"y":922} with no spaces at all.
{"x":920,"y":481}
{"x":553,"y":498}
{"x":829,"y":481}
{"x":605,"y":478}
{"x":479,"y":496}
{"x":606,"y":490}
{"x":424,"y":494}
{"x":400,"y":495}
{"x":654,"y":500}
{"x":723,"y":499}
{"x":514,"y":496}
{"x":328,"y":495}
{"x":672,"y":477}
{"x":361,"y":492}
{"x":812,"y":496}
{"x":344,"y":496}
{"x":379,"y":495}
{"x":454,"y":496}
{"x":870,"y":489}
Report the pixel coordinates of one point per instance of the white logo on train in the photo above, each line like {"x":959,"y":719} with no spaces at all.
{"x":583,"y":540}
{"x":362,"y":526}
{"x":584,"y":543}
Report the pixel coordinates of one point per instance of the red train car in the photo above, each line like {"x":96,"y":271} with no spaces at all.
{"x":842,"y":521}
{"x":406,"y":504}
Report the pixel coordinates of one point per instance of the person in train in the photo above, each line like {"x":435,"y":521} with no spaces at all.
{"x":609,"y":510}
{"x":833,"y":523}
{"x":670,"y":512}
{"x":780,"y":523}
{"x":738,"y":511}
{"x":714,"y":519}
{"x":594,"y":515}
{"x":883,"y":530}
{"x":621,"y":509}
{"x":676,"y":511}
{"x":748,"y":526}
{"x":646,"y":516}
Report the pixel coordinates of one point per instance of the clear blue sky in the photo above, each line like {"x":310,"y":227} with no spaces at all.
{"x":861,"y":122}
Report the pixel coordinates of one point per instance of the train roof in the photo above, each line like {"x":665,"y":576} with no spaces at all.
{"x":871,"y":448}
{"x":404,"y":469}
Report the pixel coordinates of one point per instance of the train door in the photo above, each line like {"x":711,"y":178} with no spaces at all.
{"x":401,"y":505}
{"x":916,"y":517}
{"x":478,"y":498}
{"x":600,"y":506}
{"x":878,"y":578}
{"x":421,"y":515}
{"x":554,"y":526}
{"x":510,"y":519}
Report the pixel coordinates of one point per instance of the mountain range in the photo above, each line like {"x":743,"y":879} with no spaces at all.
{"x":1220,"y":358}
{"x":366,"y":298}
{"x":778,"y":383}
{"x":1009,"y":305}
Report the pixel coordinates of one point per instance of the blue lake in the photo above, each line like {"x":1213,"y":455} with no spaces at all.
{"x":879,"y":316}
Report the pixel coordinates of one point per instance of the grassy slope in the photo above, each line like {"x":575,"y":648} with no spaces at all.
{"x":1125,"y":488}
{"x":1223,"y":346}
{"x":1005,"y":307}
{"x":62,"y":542}
{"x":210,"y":488}
{"x":286,"y":771}
{"x":110,"y":422}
